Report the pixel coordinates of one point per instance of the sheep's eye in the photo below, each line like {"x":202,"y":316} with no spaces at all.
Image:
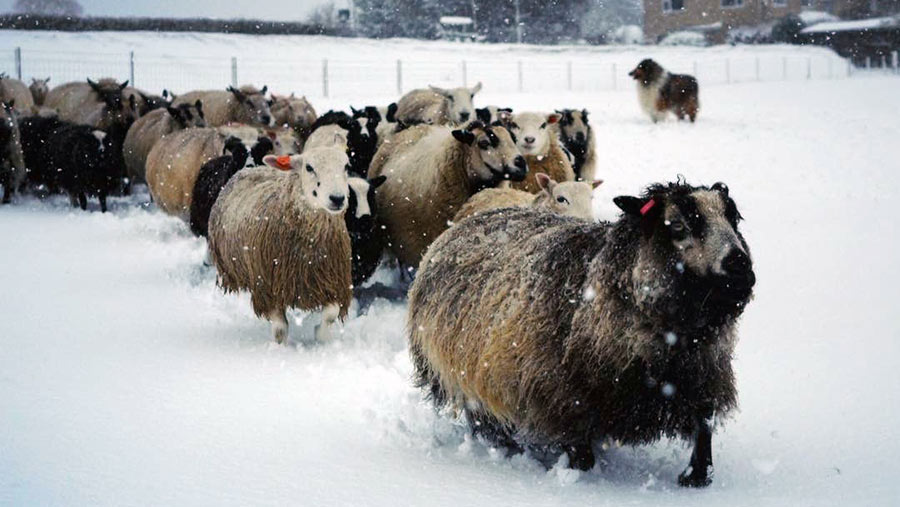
{"x":484,"y":144}
{"x":544,"y":125}
{"x":562,"y":200}
{"x":310,"y":169}
{"x":450,"y":99}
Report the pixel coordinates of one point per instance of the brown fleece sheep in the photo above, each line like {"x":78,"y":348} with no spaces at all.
{"x":173,"y":164}
{"x":150,"y":128}
{"x":15,"y":92}
{"x":39,"y":89}
{"x":12,"y":160}
{"x":570,"y":198}
{"x":431,"y":172}
{"x":538,"y":141}
{"x":99,"y":104}
{"x":279,"y":233}
{"x":243,"y":105}
{"x":293,"y":112}
{"x":555,"y":333}
{"x":437,"y":106}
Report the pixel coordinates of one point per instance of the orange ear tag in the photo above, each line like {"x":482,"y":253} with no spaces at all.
{"x":284,"y":162}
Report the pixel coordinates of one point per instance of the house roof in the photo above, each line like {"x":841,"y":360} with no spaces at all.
{"x":856,"y":25}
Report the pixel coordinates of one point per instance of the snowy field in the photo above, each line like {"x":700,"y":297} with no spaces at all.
{"x":127,"y":378}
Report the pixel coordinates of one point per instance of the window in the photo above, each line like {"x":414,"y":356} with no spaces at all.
{"x":672,"y":5}
{"x":806,"y":3}
{"x":779,"y":3}
{"x":732,"y":4}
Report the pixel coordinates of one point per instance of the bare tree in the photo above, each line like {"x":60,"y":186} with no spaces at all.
{"x":324,"y":15}
{"x":52,"y":7}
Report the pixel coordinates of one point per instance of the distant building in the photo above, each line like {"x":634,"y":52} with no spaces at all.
{"x":855,"y":9}
{"x":458,"y":28}
{"x":713,"y":17}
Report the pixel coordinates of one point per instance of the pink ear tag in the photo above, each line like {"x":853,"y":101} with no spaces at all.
{"x":647,"y":207}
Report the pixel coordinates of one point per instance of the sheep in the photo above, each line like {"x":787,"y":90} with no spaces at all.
{"x":366,"y":244}
{"x":437,"y":106}
{"x":85,"y":161}
{"x":279,"y":233}
{"x":577,"y":137}
{"x":12,"y":162}
{"x":35,"y":134}
{"x":492,"y":114}
{"x":214,"y":175}
{"x":145,"y":103}
{"x":432,"y":171}
{"x":384,"y":117}
{"x":150,"y":128}
{"x":98,"y":104}
{"x":293,"y":112}
{"x":243,"y":105}
{"x":357,"y":135}
{"x":173,"y":164}
{"x":554,"y":333}
{"x":570,"y":198}
{"x":536,"y":140}
{"x":39,"y":89}
{"x":15,"y":91}
{"x":285,"y":140}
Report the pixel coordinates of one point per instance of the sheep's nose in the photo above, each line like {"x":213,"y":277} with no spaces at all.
{"x":464,"y":116}
{"x":529,"y":140}
{"x":266,"y":119}
{"x":520,"y":171}
{"x":579,"y":137}
{"x":336,"y":200}
{"x":520,"y":163}
{"x":737,"y":265}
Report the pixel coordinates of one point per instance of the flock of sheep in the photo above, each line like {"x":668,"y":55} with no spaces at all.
{"x":548,"y":330}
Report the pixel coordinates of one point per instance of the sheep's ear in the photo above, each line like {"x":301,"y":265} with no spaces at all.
{"x":596,"y":183}
{"x":475,"y":89}
{"x":123,"y":85}
{"x":237,"y":93}
{"x":553,"y":118}
{"x":356,"y":112}
{"x":282,"y":163}
{"x":392,"y":112}
{"x":265,"y":88}
{"x":464,"y":136}
{"x":94,"y":85}
{"x":441,"y":91}
{"x":635,"y":206}
{"x":545,"y":182}
{"x":377,"y":181}
{"x":584,"y":116}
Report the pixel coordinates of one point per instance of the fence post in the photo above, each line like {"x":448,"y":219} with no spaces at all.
{"x":808,"y":67}
{"x":19,"y":63}
{"x":784,"y":68}
{"x":895,"y":61}
{"x":615,"y":76}
{"x":131,"y":68}
{"x":868,"y":63}
{"x":234,"y":71}
{"x":569,"y":74}
{"x":521,"y":79}
{"x":325,"y":77}
{"x":399,"y":77}
{"x":465,"y":76}
{"x":757,"y":69}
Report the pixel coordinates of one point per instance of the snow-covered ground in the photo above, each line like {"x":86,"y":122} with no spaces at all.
{"x":127,"y":378}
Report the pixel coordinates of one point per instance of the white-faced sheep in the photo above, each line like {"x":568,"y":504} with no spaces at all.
{"x":577,"y":137}
{"x":294,"y":112}
{"x":150,"y":128}
{"x":98,"y":104}
{"x":15,"y":92}
{"x":173,"y":164}
{"x":39,"y":89}
{"x":437,"y":106}
{"x":570,"y":198}
{"x":556,"y":332}
{"x":12,"y":161}
{"x":431,"y":172}
{"x":539,"y":143}
{"x":366,"y":244}
{"x":234,"y":105}
{"x":280,"y":234}
{"x":356,"y":135}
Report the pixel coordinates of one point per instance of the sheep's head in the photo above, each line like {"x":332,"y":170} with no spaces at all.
{"x":254,"y":104}
{"x":647,"y":71}
{"x":188,"y":115}
{"x":284,"y":141}
{"x":690,"y":236}
{"x":460,"y":108}
{"x":39,"y":89}
{"x":533,"y":131}
{"x":573,"y":125}
{"x":323,"y":176}
{"x":152,"y":102}
{"x":117,"y":108}
{"x":293,"y":111}
{"x":493,"y":155}
{"x":570,"y":198}
{"x":362,"y":203}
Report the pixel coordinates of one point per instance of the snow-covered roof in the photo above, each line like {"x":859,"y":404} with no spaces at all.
{"x":813,"y":17}
{"x":455,"y":20}
{"x":859,"y":24}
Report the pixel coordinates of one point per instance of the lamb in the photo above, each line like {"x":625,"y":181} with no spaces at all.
{"x":173,"y":164}
{"x":15,"y":92}
{"x":279,"y":233}
{"x":39,"y":89}
{"x":384,"y":117}
{"x":99,"y":104}
{"x":620,"y":330}
{"x":432,"y":171}
{"x":437,"y":106}
{"x":12,"y":162}
{"x":357,"y":135}
{"x":540,"y":145}
{"x":235,"y":105}
{"x":570,"y":198}
{"x":577,"y":137}
{"x":214,"y":175}
{"x":293,"y":112}
{"x":150,"y":128}
{"x":366,"y":243}
{"x":492,"y":114}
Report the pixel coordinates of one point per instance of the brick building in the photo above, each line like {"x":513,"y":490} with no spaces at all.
{"x":712,"y":17}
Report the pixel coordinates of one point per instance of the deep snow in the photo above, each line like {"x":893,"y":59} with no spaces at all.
{"x":127,"y":378}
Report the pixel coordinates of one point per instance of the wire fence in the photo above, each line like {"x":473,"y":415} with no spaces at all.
{"x":324,"y":77}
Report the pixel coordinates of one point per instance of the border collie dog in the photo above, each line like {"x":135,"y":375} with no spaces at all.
{"x":660,"y":92}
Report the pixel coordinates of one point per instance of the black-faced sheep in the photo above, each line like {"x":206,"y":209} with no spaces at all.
{"x":278,"y":232}
{"x":360,"y":138}
{"x":577,"y":137}
{"x":39,"y":89}
{"x":437,"y":106}
{"x":384,"y":117}
{"x":366,"y":244}
{"x":98,"y":104}
{"x":214,"y":175}
{"x":13,"y":91}
{"x":12,"y":161}
{"x":539,"y":143}
{"x":235,"y":105}
{"x":431,"y":172}
{"x":35,"y":134}
{"x":570,"y":198}
{"x":557,"y":332}
{"x":285,"y":140}
{"x":173,"y":164}
{"x":492,"y":114}
{"x":150,"y":128}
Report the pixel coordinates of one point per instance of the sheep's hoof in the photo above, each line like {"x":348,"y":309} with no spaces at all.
{"x":692,"y":478}
{"x":581,"y":457}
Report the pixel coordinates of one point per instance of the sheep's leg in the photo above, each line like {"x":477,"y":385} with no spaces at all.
{"x":279,"y":325}
{"x":581,"y":456}
{"x":493,"y":431}
{"x":82,"y":201}
{"x":329,"y":315}
{"x":103,"y":202}
{"x":699,"y":473}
